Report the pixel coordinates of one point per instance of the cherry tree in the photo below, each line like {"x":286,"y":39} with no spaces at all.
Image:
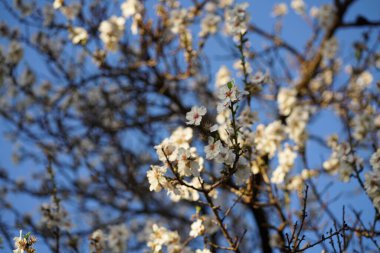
{"x":189,"y":126}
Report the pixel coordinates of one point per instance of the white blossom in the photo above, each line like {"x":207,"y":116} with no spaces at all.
{"x":223,"y":76}
{"x":167,"y":150}
{"x":58,"y":4}
{"x":226,"y":155}
{"x":258,"y":78}
{"x":297,"y":122}
{"x":326,"y":15}
{"x":117,"y":238}
{"x":213,"y":148}
{"x":247,"y":117}
{"x":131,"y":7}
{"x":209,"y":25}
{"x":197,"y":228}
{"x":362,"y":124}
{"x":178,"y":192}
{"x":53,"y":217}
{"x":202,"y":251}
{"x":227,"y":95}
{"x":181,"y":137}
{"x":364,"y":79}
{"x":194,"y":117}
{"x":341,"y":160}
{"x":15,"y":53}
{"x":187,"y":165}
{"x":375,"y":161}
{"x":78,"y":35}
{"x":71,"y":11}
{"x":111,"y":31}
{"x":330,"y":48}
{"x":286,"y":99}
{"x":178,"y":20}
{"x":280,"y":10}
{"x":97,"y":241}
{"x":286,"y":159}
{"x":237,"y":19}
{"x":156,"y":178}
{"x":298,"y":6}
{"x":268,"y":139}
{"x":372,"y":186}
{"x":160,"y":236}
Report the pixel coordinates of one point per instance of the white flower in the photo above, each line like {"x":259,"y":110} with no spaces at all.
{"x":228,"y":93}
{"x":181,"y":137}
{"x":209,"y":25}
{"x":362,"y":124}
{"x":134,"y":9}
{"x":268,"y":139}
{"x":178,"y":192}
{"x":15,"y":53}
{"x":326,"y":15}
{"x":280,"y":10}
{"x":286,"y":99}
{"x":330,"y":48}
{"x":194,"y":117}
{"x":202,"y":251}
{"x":223,"y":76}
{"x":236,"y":19}
{"x":20,"y":244}
{"x":298,"y":6}
{"x":341,"y":160}
{"x":287,"y":156}
{"x":52,"y":216}
{"x":225,"y":3}
{"x":97,"y":241}
{"x":286,"y":159}
{"x":258,"y":78}
{"x":186,"y":163}
{"x":296,"y":123}
{"x":156,"y":178}
{"x":197,"y":228}
{"x":211,"y":7}
{"x":58,"y":4}
{"x":27,"y":78}
{"x":71,"y":11}
{"x":238,"y":65}
{"x":295,"y":183}
{"x":178,"y":20}
{"x":375,"y":161}
{"x":111,"y":31}
{"x":167,"y":150}
{"x":78,"y":35}
{"x":331,"y":164}
{"x":314,"y":12}
{"x":372,"y":186}
{"x":226,"y":156}
{"x":212,"y":149}
{"x":117,"y":238}
{"x":247,"y":117}
{"x":131,"y":7}
{"x":364,"y":79}
{"x":160,"y":236}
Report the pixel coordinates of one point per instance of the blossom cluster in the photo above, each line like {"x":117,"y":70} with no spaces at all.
{"x":114,"y":241}
{"x":372,"y":179}
{"x":342,"y":160}
{"x":24,"y":243}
